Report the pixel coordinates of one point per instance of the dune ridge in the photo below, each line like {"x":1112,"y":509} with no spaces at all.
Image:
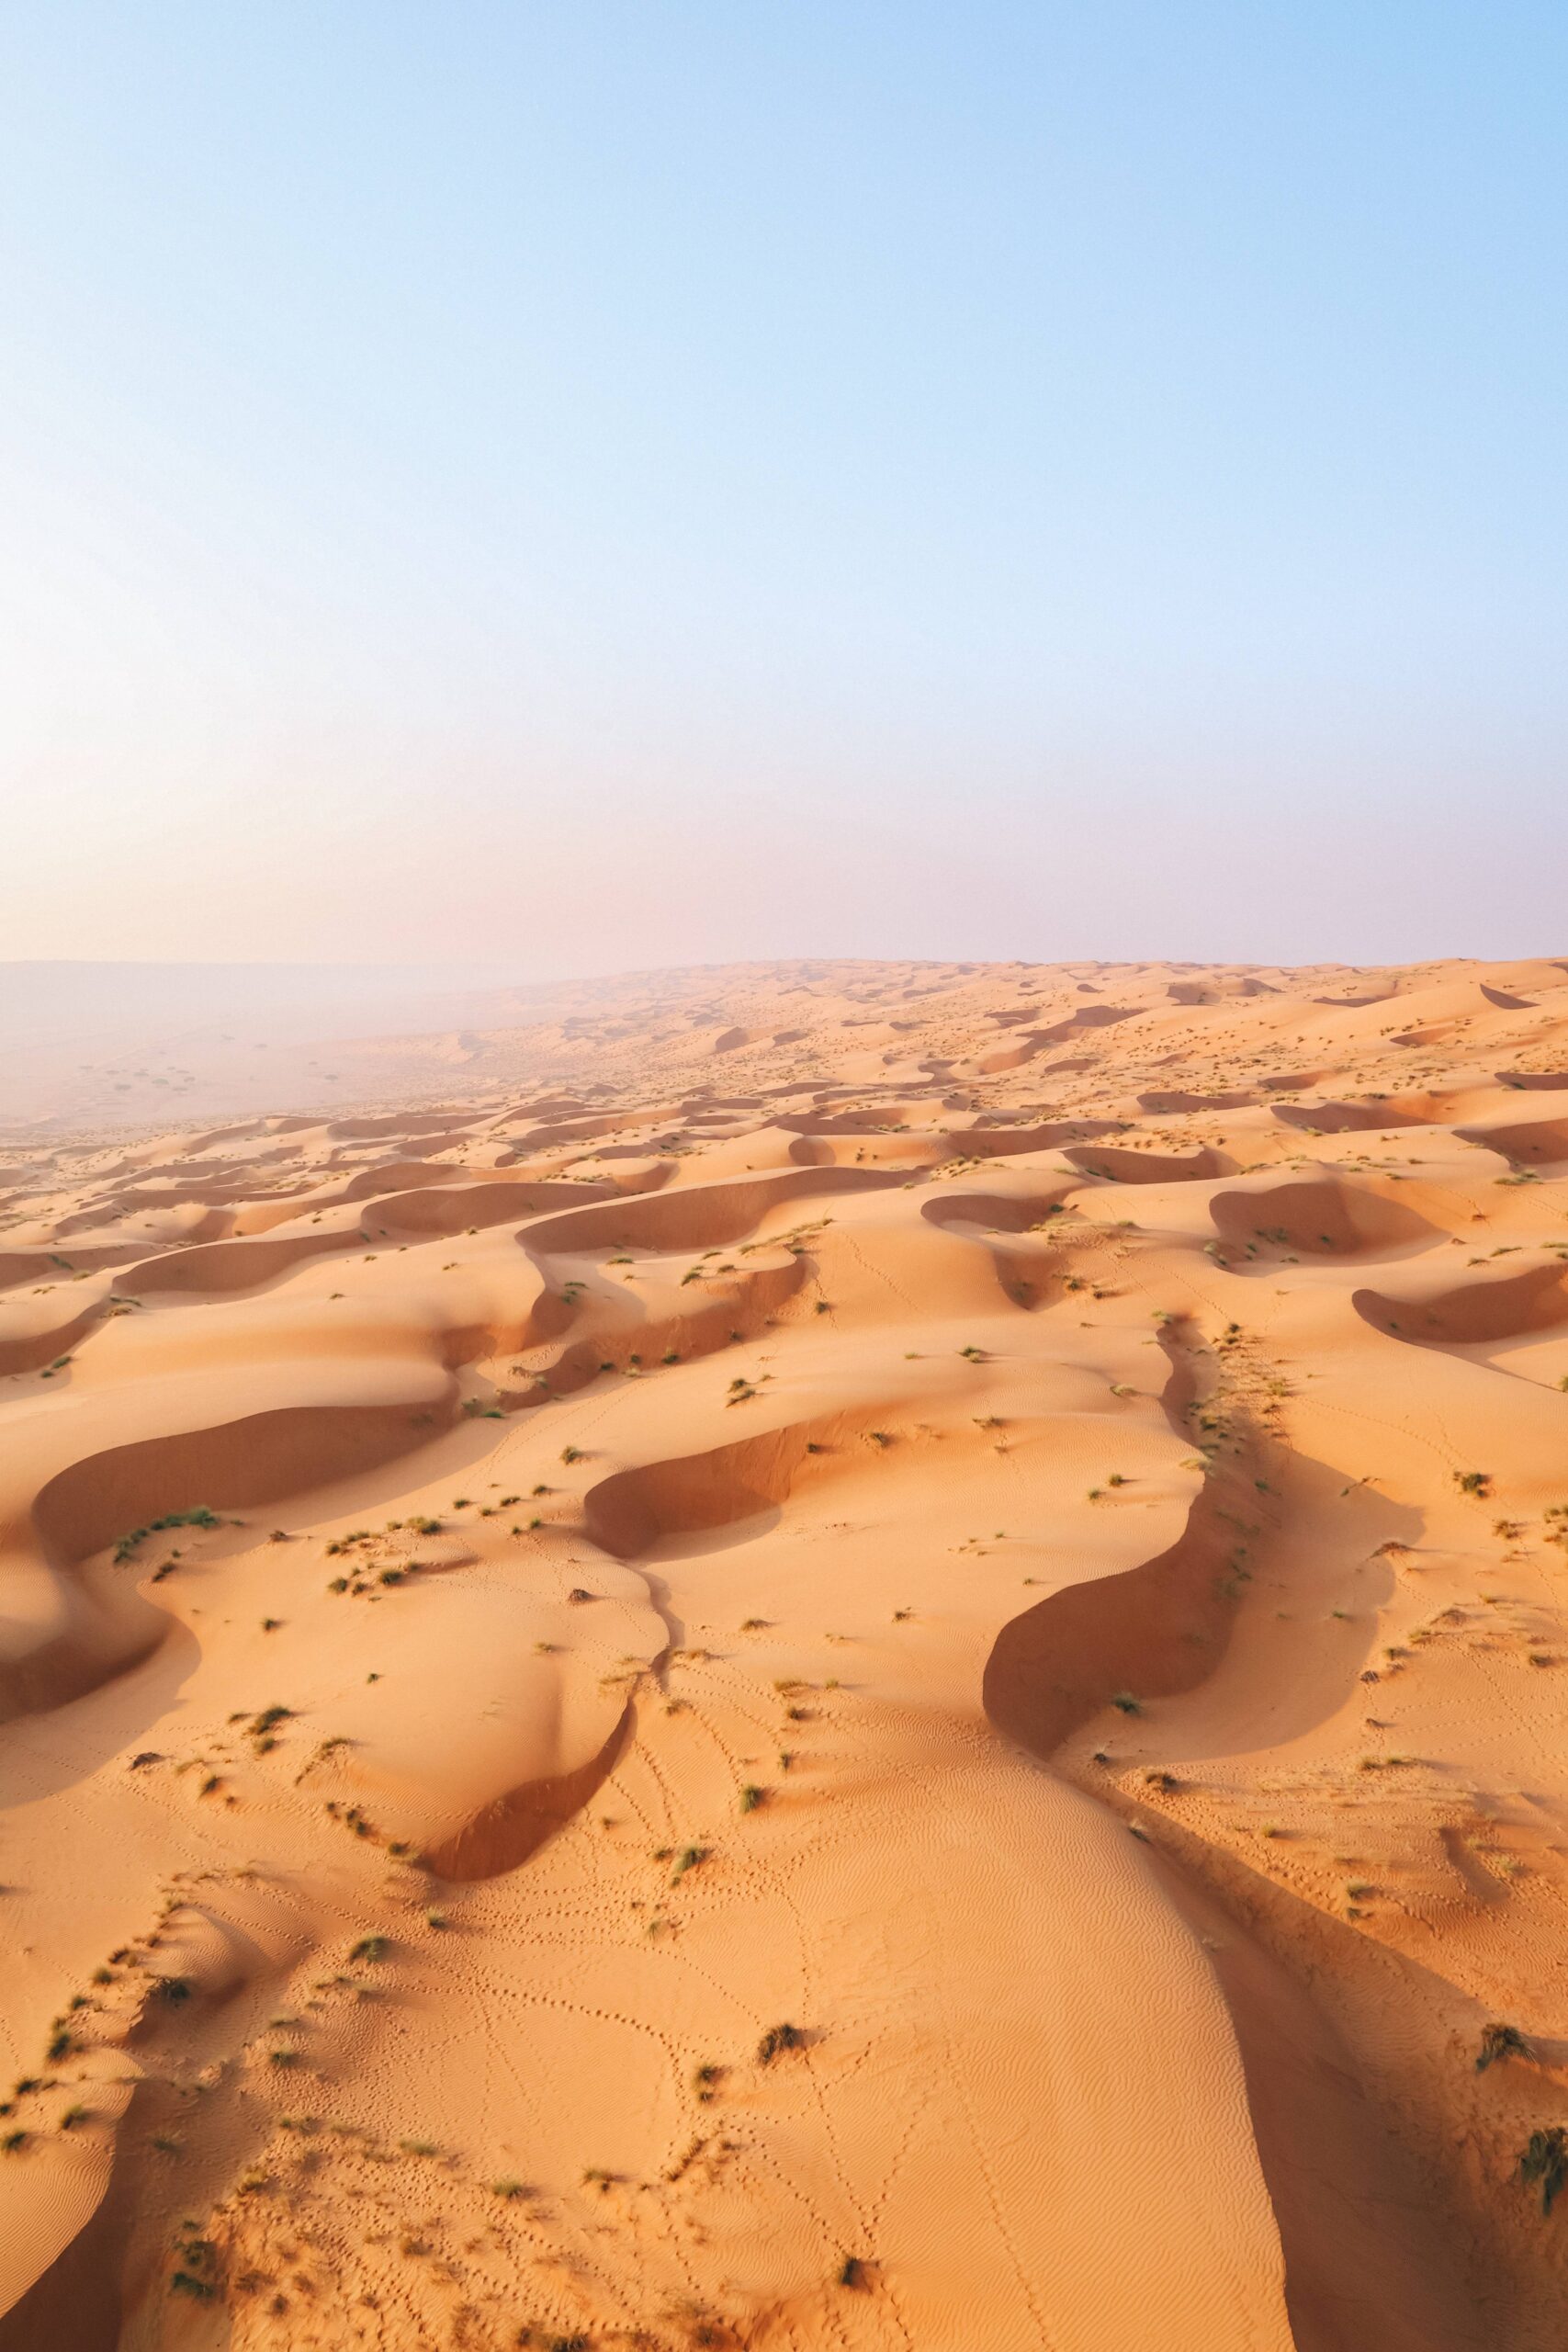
{"x":833,"y":1657}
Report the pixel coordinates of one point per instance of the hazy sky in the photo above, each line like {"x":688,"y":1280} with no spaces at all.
{"x":620,"y":482}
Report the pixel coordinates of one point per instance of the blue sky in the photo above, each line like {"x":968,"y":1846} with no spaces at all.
{"x":615,"y":484}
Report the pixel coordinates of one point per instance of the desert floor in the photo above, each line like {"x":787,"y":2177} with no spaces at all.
{"x":863,"y":1656}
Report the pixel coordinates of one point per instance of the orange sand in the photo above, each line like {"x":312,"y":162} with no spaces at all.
{"x":872,"y":1656}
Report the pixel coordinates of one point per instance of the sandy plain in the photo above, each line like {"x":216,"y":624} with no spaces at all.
{"x":844,"y":1656}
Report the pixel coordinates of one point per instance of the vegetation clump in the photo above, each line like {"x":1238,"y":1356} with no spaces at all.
{"x":1545,"y":2160}
{"x":1500,"y":2041}
{"x":200,"y":1517}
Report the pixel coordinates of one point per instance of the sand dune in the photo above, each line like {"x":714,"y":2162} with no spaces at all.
{"x":803,"y":1674}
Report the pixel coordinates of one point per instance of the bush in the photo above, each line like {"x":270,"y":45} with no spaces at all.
{"x":1545,"y":2159}
{"x":1500,"y":2041}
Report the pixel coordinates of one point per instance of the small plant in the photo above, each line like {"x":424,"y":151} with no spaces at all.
{"x":750,"y":1798}
{"x":371,"y":1948}
{"x":777,"y":2038}
{"x":13,"y":2143}
{"x":1545,"y":2159}
{"x":1500,"y":2041}
{"x":1127,"y":1703}
{"x":1473,"y":1482}
{"x":852,"y":2271}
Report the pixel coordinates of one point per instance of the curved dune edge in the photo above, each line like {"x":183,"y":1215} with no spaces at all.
{"x":1501,"y":1306}
{"x":1160,"y":1630}
{"x":512,"y":1827}
{"x":872,"y":1660}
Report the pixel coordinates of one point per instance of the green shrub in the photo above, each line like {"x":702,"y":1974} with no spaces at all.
{"x":1500,"y":2041}
{"x":1545,"y":2159}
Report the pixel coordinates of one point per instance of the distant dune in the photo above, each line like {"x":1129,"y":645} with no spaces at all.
{"x":108,"y":1045}
{"x":839,"y":1658}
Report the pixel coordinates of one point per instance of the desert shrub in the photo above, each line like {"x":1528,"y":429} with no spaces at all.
{"x":1500,"y":2041}
{"x":1545,"y":2159}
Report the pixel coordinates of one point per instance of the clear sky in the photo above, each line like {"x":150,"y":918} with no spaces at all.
{"x":622,"y":482}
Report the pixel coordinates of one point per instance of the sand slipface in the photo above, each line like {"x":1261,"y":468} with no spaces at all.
{"x":830,"y":1656}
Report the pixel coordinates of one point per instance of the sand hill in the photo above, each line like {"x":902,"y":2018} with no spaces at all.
{"x":843,"y":1657}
